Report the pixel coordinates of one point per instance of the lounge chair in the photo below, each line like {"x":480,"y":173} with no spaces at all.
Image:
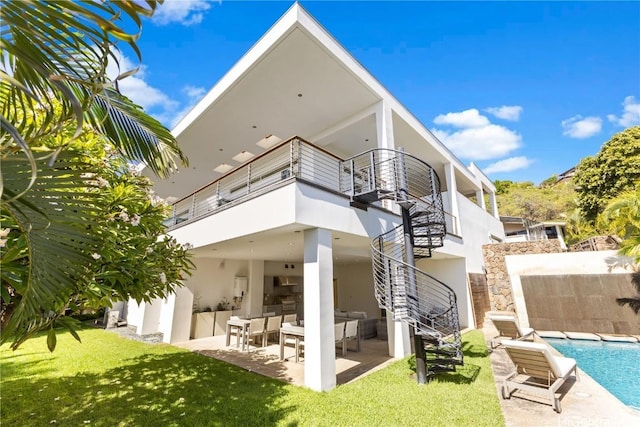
{"x":508,"y":327}
{"x":536,"y":370}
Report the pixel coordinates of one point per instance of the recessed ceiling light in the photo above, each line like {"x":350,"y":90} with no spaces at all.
{"x":297,"y":231}
{"x":223,"y":168}
{"x":243,"y":156}
{"x":291,"y":243}
{"x":250,"y":241}
{"x":254,"y":126}
{"x":268,"y":141}
{"x":336,"y":238}
{"x":299,"y":95}
{"x":220,"y":149}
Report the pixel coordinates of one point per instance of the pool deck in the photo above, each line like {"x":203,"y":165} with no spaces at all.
{"x":584,"y":402}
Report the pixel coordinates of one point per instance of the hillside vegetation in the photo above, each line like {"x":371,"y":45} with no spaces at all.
{"x":601,"y":198}
{"x":545,"y":202}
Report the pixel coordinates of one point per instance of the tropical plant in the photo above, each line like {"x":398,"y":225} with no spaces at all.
{"x":613,"y":170}
{"x":54,"y":87}
{"x":632,"y":302}
{"x":622,"y":217}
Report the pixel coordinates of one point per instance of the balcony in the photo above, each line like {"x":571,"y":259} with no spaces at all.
{"x":294,"y":159}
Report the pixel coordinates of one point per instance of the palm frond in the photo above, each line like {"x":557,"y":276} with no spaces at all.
{"x":54,"y":218}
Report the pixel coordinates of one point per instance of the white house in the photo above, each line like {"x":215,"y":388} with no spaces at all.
{"x":300,"y":158}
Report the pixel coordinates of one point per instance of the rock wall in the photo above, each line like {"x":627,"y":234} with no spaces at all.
{"x":498,"y":283}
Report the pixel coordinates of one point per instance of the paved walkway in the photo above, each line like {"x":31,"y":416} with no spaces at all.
{"x":584,"y":402}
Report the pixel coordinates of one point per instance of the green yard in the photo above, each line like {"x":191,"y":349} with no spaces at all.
{"x":111,"y":381}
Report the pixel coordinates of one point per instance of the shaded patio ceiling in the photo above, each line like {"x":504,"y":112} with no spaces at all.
{"x":296,"y":88}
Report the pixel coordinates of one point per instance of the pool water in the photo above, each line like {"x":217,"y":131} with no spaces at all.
{"x":616,"y":366}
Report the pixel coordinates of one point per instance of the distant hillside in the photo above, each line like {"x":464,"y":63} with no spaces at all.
{"x":551,"y":200}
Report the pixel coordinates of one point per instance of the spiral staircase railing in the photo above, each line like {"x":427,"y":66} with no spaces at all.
{"x":408,"y":293}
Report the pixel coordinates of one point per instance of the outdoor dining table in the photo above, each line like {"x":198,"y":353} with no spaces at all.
{"x":297,"y":332}
{"x":239,"y":323}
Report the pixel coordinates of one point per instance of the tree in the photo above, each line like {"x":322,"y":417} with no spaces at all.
{"x":54,"y":87}
{"x":524,"y":199}
{"x":622,"y":217}
{"x":613,"y":170}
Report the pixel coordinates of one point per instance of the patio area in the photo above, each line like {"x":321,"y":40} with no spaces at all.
{"x":373,"y":355}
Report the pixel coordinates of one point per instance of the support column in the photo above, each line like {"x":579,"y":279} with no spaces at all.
{"x":254,"y":298}
{"x":398,"y":338}
{"x":319,"y":345}
{"x":480,"y":199}
{"x":452,"y":188}
{"x":384,"y":125}
{"x":149,"y":317}
{"x":175,"y":316}
{"x":494,"y":204}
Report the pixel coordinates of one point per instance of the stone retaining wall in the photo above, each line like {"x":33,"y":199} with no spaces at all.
{"x":498,"y":282}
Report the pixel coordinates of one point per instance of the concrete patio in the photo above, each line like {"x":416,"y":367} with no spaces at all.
{"x":584,"y":402}
{"x":374,"y":355}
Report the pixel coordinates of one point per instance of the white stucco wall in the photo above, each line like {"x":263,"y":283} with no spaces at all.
{"x":600,"y":262}
{"x":212,"y":280}
{"x":175,"y":316}
{"x":355,"y":288}
{"x":453,"y":273}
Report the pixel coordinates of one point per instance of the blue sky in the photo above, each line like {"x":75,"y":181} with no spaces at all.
{"x":522,"y":89}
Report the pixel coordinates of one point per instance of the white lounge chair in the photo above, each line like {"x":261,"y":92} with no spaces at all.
{"x":508,"y":327}
{"x":536,"y":370}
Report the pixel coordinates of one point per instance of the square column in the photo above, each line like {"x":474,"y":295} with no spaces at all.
{"x":399,"y":338}
{"x":319,"y":345}
{"x":384,"y":125}
{"x":452,"y":188}
{"x":254,"y":298}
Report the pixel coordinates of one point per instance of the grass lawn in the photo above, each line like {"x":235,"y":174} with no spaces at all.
{"x":111,"y":381}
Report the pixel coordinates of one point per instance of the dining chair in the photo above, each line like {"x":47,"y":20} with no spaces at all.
{"x":351,"y":333}
{"x":290,"y":318}
{"x":273,"y":327}
{"x":339,"y":336}
{"x":235,"y":330}
{"x":256,"y":329}
{"x":291,"y":342}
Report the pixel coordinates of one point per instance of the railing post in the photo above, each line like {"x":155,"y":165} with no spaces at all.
{"x":372,"y":160}
{"x":291,"y":157}
{"x":353,"y":178}
{"x":193,"y":206}
{"x":297,"y":155}
{"x":249,"y":178}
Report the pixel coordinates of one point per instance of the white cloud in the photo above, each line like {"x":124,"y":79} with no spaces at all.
{"x":479,"y":139}
{"x":579,"y":127}
{"x":506,"y":112}
{"x":464,"y":119}
{"x":508,"y":165}
{"x":194,"y":94}
{"x":136,"y":88}
{"x":630,"y":113}
{"x":185,"y":12}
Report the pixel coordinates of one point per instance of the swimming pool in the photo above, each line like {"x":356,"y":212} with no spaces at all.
{"x":616,"y":366}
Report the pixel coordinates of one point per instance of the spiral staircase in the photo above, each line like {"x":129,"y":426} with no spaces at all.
{"x":409,"y":294}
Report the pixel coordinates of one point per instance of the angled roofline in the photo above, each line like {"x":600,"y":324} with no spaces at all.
{"x":297,"y":17}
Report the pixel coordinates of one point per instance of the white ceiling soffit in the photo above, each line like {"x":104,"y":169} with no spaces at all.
{"x":298,"y":88}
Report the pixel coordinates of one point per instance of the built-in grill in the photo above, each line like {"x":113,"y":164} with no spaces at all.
{"x":289,"y":306}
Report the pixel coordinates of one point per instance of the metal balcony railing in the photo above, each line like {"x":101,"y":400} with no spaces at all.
{"x":292,"y":159}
